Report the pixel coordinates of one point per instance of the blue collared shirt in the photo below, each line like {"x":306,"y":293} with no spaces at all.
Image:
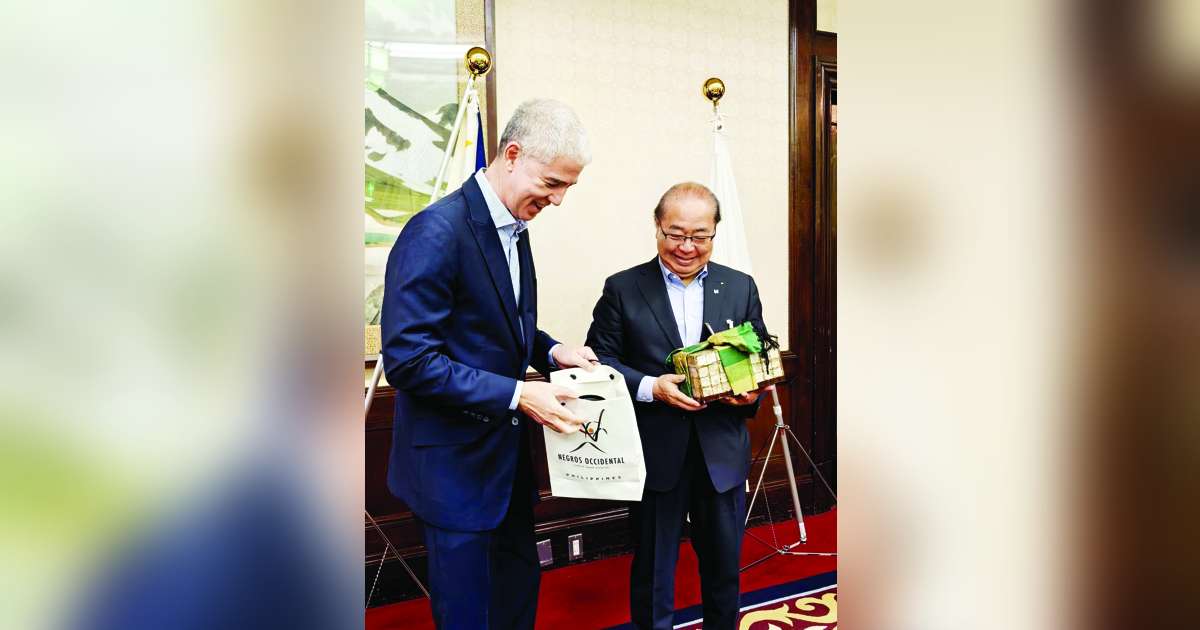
{"x":687,"y":305}
{"x":509,"y":229}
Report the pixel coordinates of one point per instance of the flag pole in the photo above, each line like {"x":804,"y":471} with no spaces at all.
{"x":479,"y":62}
{"x":463,"y":106}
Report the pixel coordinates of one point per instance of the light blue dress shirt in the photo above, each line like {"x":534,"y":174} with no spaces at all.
{"x":509,"y":229}
{"x":687,"y":304}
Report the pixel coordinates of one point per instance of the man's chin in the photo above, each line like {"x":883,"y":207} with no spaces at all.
{"x":684,"y":270}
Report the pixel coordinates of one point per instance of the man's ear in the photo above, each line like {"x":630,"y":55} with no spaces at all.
{"x":511,"y":152}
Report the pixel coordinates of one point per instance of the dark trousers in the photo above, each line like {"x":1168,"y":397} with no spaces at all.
{"x":716,"y":527}
{"x":488,"y":580}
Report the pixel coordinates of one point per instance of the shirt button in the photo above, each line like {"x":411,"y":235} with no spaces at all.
{"x":515,"y":422}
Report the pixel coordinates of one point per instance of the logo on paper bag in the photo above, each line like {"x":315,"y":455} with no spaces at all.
{"x":591,"y":432}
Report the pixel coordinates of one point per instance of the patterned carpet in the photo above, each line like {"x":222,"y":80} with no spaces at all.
{"x":808,"y":604}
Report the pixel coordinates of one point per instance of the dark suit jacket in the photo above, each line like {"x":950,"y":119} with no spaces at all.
{"x":453,"y":351}
{"x":633,"y":330}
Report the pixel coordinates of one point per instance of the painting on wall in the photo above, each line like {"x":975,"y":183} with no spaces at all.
{"x":414,"y":77}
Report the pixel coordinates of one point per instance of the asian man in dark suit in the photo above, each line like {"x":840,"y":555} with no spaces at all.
{"x":459,"y":328}
{"x":697,"y":456}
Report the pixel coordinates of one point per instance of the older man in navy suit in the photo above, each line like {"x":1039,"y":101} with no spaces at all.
{"x":697,"y":456}
{"x":459,"y":327}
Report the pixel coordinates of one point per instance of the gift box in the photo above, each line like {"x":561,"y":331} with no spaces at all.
{"x":730,"y":362}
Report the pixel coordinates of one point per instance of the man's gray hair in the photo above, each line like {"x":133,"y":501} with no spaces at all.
{"x":547,"y":129}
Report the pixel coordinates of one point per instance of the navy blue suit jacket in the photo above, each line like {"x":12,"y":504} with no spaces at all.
{"x":453,"y":351}
{"x":633,"y":330}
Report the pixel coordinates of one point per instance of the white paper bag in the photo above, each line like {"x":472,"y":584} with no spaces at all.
{"x":604,"y":461}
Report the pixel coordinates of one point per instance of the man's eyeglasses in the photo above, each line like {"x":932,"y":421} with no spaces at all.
{"x":679,"y":239}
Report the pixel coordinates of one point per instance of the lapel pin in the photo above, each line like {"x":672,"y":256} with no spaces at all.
{"x":716,"y":290}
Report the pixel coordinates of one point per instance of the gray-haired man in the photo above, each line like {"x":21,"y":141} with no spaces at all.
{"x":459,"y":331}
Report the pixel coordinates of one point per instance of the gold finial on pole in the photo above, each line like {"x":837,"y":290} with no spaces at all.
{"x":713,"y":90}
{"x":479,"y":61}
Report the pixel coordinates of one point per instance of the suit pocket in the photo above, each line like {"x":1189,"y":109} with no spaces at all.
{"x":440,"y":430}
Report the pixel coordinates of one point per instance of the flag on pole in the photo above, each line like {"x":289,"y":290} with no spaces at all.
{"x":480,"y":143}
{"x":729,"y":248}
{"x":467,"y":153}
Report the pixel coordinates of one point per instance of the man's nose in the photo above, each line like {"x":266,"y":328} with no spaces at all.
{"x":687,"y":245}
{"x":557,"y":198}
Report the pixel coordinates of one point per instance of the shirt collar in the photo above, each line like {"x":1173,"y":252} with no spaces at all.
{"x":500,"y":214}
{"x":672,"y":277}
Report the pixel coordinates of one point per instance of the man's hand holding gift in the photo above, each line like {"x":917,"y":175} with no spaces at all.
{"x":742,"y":400}
{"x":666,"y":389}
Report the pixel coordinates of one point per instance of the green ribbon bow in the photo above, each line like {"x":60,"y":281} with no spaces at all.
{"x":734,"y":347}
{"x":741,"y":337}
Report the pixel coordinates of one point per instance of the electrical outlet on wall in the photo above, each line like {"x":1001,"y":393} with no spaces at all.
{"x":545,"y":552}
{"x":575,"y":546}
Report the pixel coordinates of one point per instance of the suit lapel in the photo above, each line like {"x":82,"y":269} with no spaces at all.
{"x":650,"y":283}
{"x":484,"y":231}
{"x":715,"y":298}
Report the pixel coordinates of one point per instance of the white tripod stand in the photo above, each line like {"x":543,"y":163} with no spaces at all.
{"x":783,"y":430}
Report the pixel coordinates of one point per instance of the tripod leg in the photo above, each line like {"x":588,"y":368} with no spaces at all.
{"x":787,"y":461}
{"x":375,"y":582}
{"x":387,"y":544}
{"x":813,"y":465}
{"x":761,"y":474}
